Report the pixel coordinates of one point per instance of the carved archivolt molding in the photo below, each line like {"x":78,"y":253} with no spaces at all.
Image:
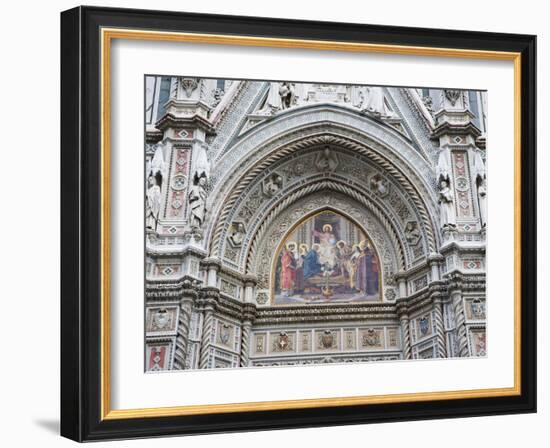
{"x":305,"y":121}
{"x":228,"y":201}
{"x":298,"y":176}
{"x":341,"y":194}
{"x":257,"y":173}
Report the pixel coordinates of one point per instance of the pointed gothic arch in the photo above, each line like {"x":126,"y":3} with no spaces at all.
{"x":328,"y":272}
{"x":269,"y":173}
{"x":239,"y":174}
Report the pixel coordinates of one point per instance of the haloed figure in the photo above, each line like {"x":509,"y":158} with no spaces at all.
{"x":312,"y":266}
{"x":366,"y":277}
{"x":288,"y":271}
{"x":327,"y":246}
{"x":299,"y":285}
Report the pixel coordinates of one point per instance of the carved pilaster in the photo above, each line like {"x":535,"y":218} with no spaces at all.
{"x":249,"y":316}
{"x":209,"y":299}
{"x":405,"y":330}
{"x":182,"y":339}
{"x":188,"y":297}
{"x":207,"y":328}
{"x":245,"y":343}
{"x":439,"y":329}
{"x":460,"y":322}
{"x":403,"y":313}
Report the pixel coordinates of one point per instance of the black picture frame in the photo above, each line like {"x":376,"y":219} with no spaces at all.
{"x":81,"y":212}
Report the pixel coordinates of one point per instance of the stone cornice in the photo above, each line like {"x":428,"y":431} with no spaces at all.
{"x":174,"y":250}
{"x":477,"y":247}
{"x":171,"y":121}
{"x":250,"y":280}
{"x":446,"y":128}
{"x":413,"y":270}
{"x":211,"y":263}
{"x":436,"y":290}
{"x":435,"y":258}
{"x":326,"y":313}
{"x":171,"y":288}
{"x":208,"y":298}
{"x":153,"y":136}
{"x":458,"y":281}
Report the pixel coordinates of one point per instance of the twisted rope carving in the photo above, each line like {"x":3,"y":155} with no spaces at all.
{"x":319,"y":140}
{"x":439,"y":331}
{"x":182,"y":338}
{"x":205,"y":340}
{"x":406,"y":338}
{"x":460,"y":321}
{"x":245,"y":344}
{"x":315,"y":187}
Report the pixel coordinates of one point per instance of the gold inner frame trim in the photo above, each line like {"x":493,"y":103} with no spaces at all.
{"x":106,"y":37}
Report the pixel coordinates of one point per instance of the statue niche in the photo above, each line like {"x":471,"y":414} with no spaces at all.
{"x":326,"y":258}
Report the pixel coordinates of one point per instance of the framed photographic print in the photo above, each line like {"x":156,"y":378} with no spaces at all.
{"x":272,"y":224}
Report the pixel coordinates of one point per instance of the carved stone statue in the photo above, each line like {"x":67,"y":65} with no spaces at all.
{"x":217,"y":96}
{"x":357,"y":96}
{"x":482,"y":199}
{"x":327,"y":160}
{"x":429,"y":103}
{"x":237,"y":234}
{"x":379,"y":185}
{"x":273,"y":101}
{"x":197,"y":201}
{"x":157,"y":164}
{"x":374,"y":103}
{"x":446,"y":205}
{"x":443,"y":164}
{"x":481,"y":184}
{"x":152,"y":204}
{"x":286,"y":92}
{"x":412,"y":232}
{"x":202,"y":165}
{"x":272,"y":185}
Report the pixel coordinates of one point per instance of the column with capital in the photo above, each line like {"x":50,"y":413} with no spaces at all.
{"x":434,"y":261}
{"x":401,"y":284}
{"x":212,"y":266}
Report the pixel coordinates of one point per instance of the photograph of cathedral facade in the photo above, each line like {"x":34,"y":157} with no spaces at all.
{"x":294,"y":223}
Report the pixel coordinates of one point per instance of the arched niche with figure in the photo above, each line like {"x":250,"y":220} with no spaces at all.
{"x":326,"y":258}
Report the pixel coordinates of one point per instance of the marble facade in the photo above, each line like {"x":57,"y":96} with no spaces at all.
{"x":236,"y":172}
